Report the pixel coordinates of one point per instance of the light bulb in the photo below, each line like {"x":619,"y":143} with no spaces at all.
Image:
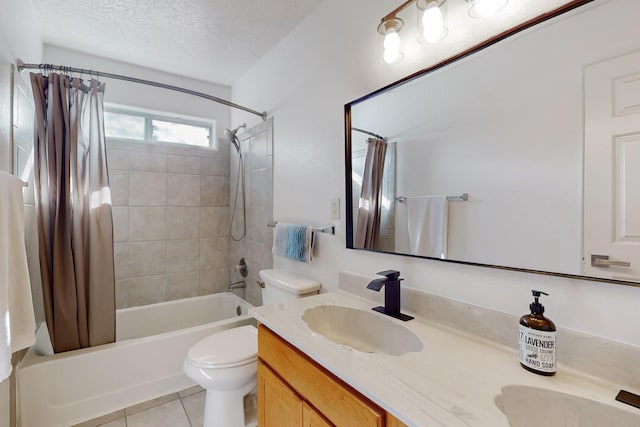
{"x":392,"y":45}
{"x":432,"y":23}
{"x":486,"y":8}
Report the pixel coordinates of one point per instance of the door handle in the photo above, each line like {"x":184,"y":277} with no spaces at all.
{"x":603,"y":261}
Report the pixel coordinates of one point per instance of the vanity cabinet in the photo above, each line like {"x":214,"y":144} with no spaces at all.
{"x":294,"y":391}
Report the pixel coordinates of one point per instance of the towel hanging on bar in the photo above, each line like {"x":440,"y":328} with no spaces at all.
{"x":294,"y":242}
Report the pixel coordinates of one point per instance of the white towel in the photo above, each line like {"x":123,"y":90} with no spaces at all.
{"x":294,"y":242}
{"x":427,"y":223}
{"x":17,"y":321}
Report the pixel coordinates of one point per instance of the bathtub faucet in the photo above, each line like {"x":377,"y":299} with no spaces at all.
{"x":237,"y":285}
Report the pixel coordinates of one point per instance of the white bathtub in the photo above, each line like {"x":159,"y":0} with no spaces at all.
{"x":145,"y":362}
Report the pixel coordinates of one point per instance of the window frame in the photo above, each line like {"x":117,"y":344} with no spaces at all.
{"x":151,"y":115}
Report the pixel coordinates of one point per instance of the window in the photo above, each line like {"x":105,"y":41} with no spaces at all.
{"x":135,"y":124}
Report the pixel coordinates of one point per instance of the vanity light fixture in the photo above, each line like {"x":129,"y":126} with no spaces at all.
{"x":389,"y":27}
{"x":432,"y":23}
{"x":485,"y":8}
{"x":432,"y":20}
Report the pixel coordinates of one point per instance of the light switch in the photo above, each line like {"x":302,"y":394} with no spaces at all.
{"x":334,"y":206}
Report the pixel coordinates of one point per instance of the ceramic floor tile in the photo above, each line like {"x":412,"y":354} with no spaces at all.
{"x":194,"y":405}
{"x":150,"y":404}
{"x":170,"y":414}
{"x":189,"y":391}
{"x":117,"y":423}
{"x":103,"y":420}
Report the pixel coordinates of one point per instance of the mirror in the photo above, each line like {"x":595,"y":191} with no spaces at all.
{"x":483,"y":160}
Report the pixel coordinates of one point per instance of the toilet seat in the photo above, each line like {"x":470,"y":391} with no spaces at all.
{"x":226,"y":349}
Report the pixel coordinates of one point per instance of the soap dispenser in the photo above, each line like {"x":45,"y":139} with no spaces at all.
{"x":537,"y":339}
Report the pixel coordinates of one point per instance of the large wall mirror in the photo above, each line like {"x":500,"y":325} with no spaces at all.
{"x":483,"y":160}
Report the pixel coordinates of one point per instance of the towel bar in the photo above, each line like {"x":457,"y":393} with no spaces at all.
{"x":461,"y":198}
{"x":331,"y":229}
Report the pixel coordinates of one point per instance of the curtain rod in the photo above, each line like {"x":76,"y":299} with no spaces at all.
{"x":366,"y":132}
{"x":22,"y":66}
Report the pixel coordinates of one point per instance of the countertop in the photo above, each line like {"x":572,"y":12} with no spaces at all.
{"x":453,"y":381}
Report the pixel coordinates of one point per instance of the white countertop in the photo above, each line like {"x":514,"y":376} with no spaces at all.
{"x":452,"y":382}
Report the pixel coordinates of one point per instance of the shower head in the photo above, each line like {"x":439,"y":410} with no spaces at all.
{"x":231,"y":136}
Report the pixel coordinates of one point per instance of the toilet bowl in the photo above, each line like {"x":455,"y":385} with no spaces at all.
{"x":225,"y":365}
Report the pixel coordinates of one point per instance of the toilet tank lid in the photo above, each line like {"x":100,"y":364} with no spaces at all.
{"x":289,"y":282}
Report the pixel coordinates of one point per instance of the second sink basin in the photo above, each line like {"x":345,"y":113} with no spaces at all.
{"x":527,"y":406}
{"x":361,"y":330}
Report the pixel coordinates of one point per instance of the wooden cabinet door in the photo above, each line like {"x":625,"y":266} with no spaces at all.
{"x":278,"y":404}
{"x":335,"y":400}
{"x":313,"y":418}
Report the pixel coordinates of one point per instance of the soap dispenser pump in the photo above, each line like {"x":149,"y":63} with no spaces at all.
{"x":537,"y":339}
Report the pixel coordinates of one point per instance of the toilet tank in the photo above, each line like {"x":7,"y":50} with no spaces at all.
{"x":281,"y":286}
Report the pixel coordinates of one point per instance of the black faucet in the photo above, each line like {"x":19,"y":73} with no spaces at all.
{"x":391,"y":294}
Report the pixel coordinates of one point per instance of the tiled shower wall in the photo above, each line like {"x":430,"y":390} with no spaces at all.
{"x":257,"y":151}
{"x":171,"y":221}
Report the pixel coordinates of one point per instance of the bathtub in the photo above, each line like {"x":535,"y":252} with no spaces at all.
{"x":145,"y":362}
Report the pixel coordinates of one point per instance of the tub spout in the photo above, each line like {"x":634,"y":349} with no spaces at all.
{"x":238,"y":285}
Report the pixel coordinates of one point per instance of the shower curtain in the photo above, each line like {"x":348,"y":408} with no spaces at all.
{"x":369,"y":208}
{"x":73,"y":211}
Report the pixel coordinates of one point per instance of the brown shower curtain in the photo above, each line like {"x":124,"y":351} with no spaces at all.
{"x":369,"y":209}
{"x":73,"y":211}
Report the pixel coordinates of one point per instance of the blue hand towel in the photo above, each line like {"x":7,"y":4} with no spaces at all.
{"x":294,"y":242}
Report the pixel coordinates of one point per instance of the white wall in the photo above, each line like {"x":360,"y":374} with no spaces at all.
{"x":332,"y":59}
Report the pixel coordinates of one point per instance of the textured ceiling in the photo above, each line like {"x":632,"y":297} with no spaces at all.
{"x":211,"y":40}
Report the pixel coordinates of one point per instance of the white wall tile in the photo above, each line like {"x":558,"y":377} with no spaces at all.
{"x":260,"y":188}
{"x":144,"y":290}
{"x":214,"y":191}
{"x":165,"y":201}
{"x":183,"y":285}
{"x":214,"y":252}
{"x":147,"y":223}
{"x":145,"y":161}
{"x":213,"y":280}
{"x":216,"y":166}
{"x":183,"y":222}
{"x":147,"y":189}
{"x":183,"y":190}
{"x":214,"y":221}
{"x":183,"y":164}
{"x":119,"y":183}
{"x":135,"y":259}
{"x":120,"y":223}
{"x":183,"y":255}
{"x":117,"y":159}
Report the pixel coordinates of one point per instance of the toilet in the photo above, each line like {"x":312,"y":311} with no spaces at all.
{"x":225,"y":363}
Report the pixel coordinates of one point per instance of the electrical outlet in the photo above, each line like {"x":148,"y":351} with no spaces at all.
{"x":334,"y":206}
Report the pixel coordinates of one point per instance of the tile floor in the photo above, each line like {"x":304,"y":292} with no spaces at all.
{"x":183,"y":409}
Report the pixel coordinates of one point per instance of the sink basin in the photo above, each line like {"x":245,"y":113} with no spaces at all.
{"x":361,"y":330}
{"x":527,"y":406}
